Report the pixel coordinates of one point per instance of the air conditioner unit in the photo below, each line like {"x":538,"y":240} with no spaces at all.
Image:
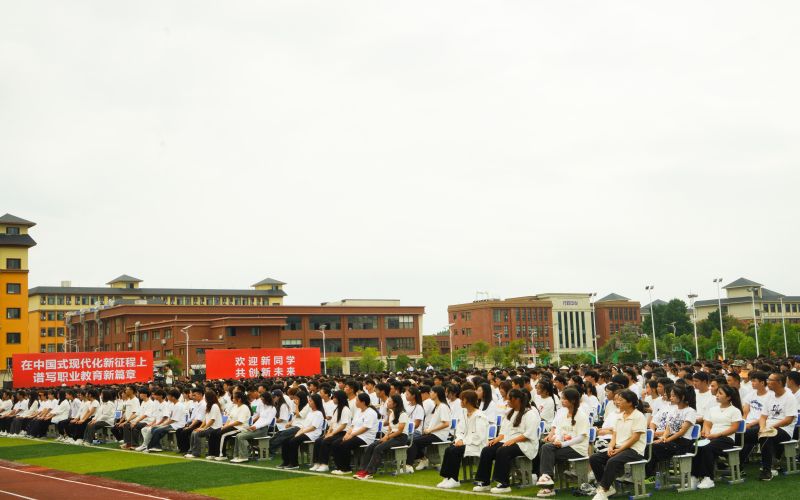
{"x":129,"y":345}
{"x":163,"y":342}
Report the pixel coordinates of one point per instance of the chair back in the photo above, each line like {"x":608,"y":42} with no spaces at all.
{"x":492,"y":432}
{"x":224,"y":419}
{"x":738,"y":439}
{"x":410,"y":429}
{"x":117,"y":414}
{"x":498,"y":420}
{"x":592,"y":435}
{"x":540,"y":430}
{"x":380,"y":426}
{"x":650,"y":435}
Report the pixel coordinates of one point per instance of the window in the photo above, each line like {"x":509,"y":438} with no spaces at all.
{"x":168,"y":353}
{"x":143,"y":337}
{"x":230,"y":331}
{"x":400,"y":344}
{"x":156,"y":354}
{"x":13,"y":263}
{"x":13,"y":313}
{"x":13,"y":288}
{"x":772,"y":308}
{"x":51,"y":332}
{"x":43,"y":348}
{"x":293,"y":323}
{"x":399,"y":322}
{"x":51,"y":300}
{"x":364,"y":343}
{"x":200,"y":351}
{"x":291,"y":343}
{"x":168,"y":334}
{"x":51,"y":315}
{"x":60,"y":348}
{"x":13,"y":338}
{"x":332,"y":322}
{"x":60,"y":332}
{"x":51,"y":347}
{"x":156,"y":334}
{"x":255,"y":331}
{"x":362,"y":322}
{"x":14,"y":230}
{"x":500,"y":315}
{"x":331,"y":345}
{"x":60,"y":315}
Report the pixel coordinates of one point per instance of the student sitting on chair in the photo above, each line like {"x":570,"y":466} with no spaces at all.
{"x":719,"y":424}
{"x":212,"y":420}
{"x":239,"y":415}
{"x":311,"y":429}
{"x":675,"y":440}
{"x":471,"y":435}
{"x":437,"y":429}
{"x":262,"y":419}
{"x":394,"y":429}
{"x":339,"y":420}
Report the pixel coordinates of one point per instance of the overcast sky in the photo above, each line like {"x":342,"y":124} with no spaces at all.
{"x":420,"y":151}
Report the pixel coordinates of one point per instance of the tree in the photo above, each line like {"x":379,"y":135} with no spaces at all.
{"x":674,"y":311}
{"x":429,"y":346}
{"x":334,"y":364}
{"x":460,"y":358}
{"x":514,"y":351}
{"x":479,"y":350}
{"x":747,"y":348}
{"x":401,"y":362}
{"x":497,"y":355}
{"x":175,"y":364}
{"x":369,"y":361}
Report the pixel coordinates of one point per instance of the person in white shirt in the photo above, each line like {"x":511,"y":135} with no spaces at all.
{"x":752,"y":407}
{"x":394,"y":434}
{"x":436,"y":430}
{"x":103,"y":417}
{"x":263,"y":419}
{"x":362,"y":432}
{"x":518,"y":436}
{"x":301,"y":409}
{"x":212,"y":421}
{"x":568,"y":438}
{"x":453,"y":392}
{"x":91,"y":404}
{"x":675,"y":440}
{"x":415,"y":410}
{"x":61,"y":414}
{"x":339,"y":419}
{"x":40,"y":423}
{"x":720,"y":424}
{"x":705,"y":400}
{"x":471,"y":436}
{"x":19,"y":406}
{"x":734,"y":380}
{"x":239,"y":414}
{"x":776,"y":423}
{"x":174,"y":420}
{"x":546,"y":402}
{"x":132,"y":430}
{"x":195,"y":419}
{"x":21,"y":420}
{"x":312,"y":428}
{"x":793,"y":384}
{"x":485,"y":402}
{"x":130,"y":408}
{"x":328,"y":404}
{"x":160,"y":415}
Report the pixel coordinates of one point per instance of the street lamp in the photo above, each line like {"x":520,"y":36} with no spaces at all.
{"x":185,"y":331}
{"x":136,"y":334}
{"x":718,"y":281}
{"x":693,"y":296}
{"x":783,"y":321}
{"x":324,"y":352}
{"x":649,"y":289}
{"x":450,"y":332}
{"x":594,"y":325}
{"x":752,"y":291}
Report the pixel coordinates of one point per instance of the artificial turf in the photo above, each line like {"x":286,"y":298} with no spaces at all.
{"x":261,"y":479}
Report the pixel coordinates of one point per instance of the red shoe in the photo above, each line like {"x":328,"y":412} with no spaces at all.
{"x":360,"y":474}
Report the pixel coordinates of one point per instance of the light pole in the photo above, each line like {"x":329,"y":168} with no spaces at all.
{"x":594,"y":324}
{"x":185,"y":331}
{"x":324,"y":352}
{"x":649,"y":289}
{"x":718,"y":281}
{"x":450,"y":332}
{"x":783,"y":320}
{"x":136,"y":334}
{"x":693,"y":296}
{"x":755,"y":323}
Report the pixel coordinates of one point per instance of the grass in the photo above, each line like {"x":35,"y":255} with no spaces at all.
{"x":260,"y":479}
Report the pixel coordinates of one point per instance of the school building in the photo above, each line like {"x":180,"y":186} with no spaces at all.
{"x":745,"y":299}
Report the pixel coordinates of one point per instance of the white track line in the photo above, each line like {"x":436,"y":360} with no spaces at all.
{"x":307,"y":473}
{"x":15,"y":495}
{"x":83,"y":484}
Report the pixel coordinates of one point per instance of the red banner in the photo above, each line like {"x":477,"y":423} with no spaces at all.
{"x":255,"y":363}
{"x":78,"y":368}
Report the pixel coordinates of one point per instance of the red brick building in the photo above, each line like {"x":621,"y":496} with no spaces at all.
{"x":139,"y":325}
{"x":612,"y":312}
{"x":498,"y":322}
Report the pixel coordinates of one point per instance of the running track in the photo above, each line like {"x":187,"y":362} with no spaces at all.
{"x":39,"y":483}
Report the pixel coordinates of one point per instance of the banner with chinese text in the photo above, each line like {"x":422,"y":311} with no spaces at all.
{"x":78,"y":368}
{"x":254,"y":363}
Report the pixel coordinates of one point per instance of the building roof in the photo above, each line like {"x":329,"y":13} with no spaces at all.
{"x":13,"y":219}
{"x":657,"y":302}
{"x":767,"y":294}
{"x":81,"y":290}
{"x":613,"y":296}
{"x":269,"y":281}
{"x":742,"y":283}
{"x":16,"y":240}
{"x":124,"y":278}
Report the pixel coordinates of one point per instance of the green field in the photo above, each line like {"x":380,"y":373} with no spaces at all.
{"x":262,"y":479}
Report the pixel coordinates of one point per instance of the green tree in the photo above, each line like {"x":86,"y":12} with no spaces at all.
{"x":514,"y":351}
{"x":369,"y":360}
{"x":460,"y":358}
{"x":401,"y":362}
{"x":334,"y":364}
{"x":497,"y":355}
{"x":175,"y":364}
{"x":479,"y":350}
{"x":747,"y":348}
{"x":429,"y":346}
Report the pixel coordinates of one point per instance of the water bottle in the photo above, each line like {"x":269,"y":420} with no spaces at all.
{"x":658,"y":481}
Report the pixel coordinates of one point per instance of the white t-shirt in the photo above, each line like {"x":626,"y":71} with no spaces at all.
{"x":757,"y":404}
{"x":780,"y":407}
{"x":240,"y":414}
{"x":565,"y":430}
{"x":455,"y":409}
{"x":214,"y":414}
{"x":722,"y":418}
{"x":329,"y":406}
{"x":547,"y":409}
{"x":61,"y":412}
{"x":390,"y":427}
{"x":366,"y":419}
{"x":178,"y":414}
{"x":705,"y":401}
{"x":416,"y":412}
{"x":315,"y":420}
{"x":130,"y":406}
{"x":627,"y":426}
{"x":284,"y":415}
{"x":677,"y":417}
{"x":440,"y":414}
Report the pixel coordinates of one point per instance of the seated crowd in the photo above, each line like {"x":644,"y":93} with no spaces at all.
{"x":487,"y":418}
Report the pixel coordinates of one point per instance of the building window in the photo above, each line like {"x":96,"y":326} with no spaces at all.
{"x":13,"y":313}
{"x":200,"y":351}
{"x":13,"y":338}
{"x":331,"y":345}
{"x":156,"y":334}
{"x":51,"y":332}
{"x":168,"y":353}
{"x":51,"y":315}
{"x":230,"y":331}
{"x":60,"y":348}
{"x":51,"y":348}
{"x":9,"y":362}
{"x":500,"y":315}
{"x":60,"y":315}
{"x":142,"y":337}
{"x":12,"y":230}
{"x":291,"y":343}
{"x":293,"y":323}
{"x":399,"y":322}
{"x":400,"y":344}
{"x":13,"y":288}
{"x":156,"y":354}
{"x":60,"y":332}
{"x":363,"y":343}
{"x":255,"y":331}
{"x":168,"y":333}
{"x":331,"y":322}
{"x":43,"y":348}
{"x":13,"y":263}
{"x":362,"y":322}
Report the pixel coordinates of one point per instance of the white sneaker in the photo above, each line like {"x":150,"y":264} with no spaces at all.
{"x":156,"y":449}
{"x":79,"y":441}
{"x":442,"y":482}
{"x":479,"y":488}
{"x":407,"y":469}
{"x":600,"y":494}
{"x":500,"y":489}
{"x":323,"y":468}
{"x":313,"y":468}
{"x":611,"y":491}
{"x":23,"y":433}
{"x":238,"y":460}
{"x":423,"y":464}
{"x":545,"y":480}
{"x":209,"y":457}
{"x":451,"y":483}
{"x":140,"y":448}
{"x":338,"y":472}
{"x":705,"y":484}
{"x":189,"y":455}
{"x":221,"y":459}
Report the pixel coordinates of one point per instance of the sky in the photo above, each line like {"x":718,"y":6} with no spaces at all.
{"x":420,"y":151}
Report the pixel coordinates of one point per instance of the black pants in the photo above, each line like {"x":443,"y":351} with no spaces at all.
{"x":116,"y":431}
{"x":703,"y":462}
{"x":19,"y":424}
{"x":92,"y":428}
{"x":501,"y":456}
{"x":5,"y":423}
{"x":290,"y":449}
{"x":665,"y":451}
{"x":281,"y":437}
{"x":61,"y":427}
{"x":750,"y":442}
{"x":38,"y":428}
{"x":183,"y":437}
{"x":214,"y":438}
{"x":451,"y":462}
{"x":609,"y":468}
{"x":771,"y":448}
{"x":549,"y":454}
{"x":76,"y":430}
{"x":418,"y":445}
{"x":343,"y":452}
{"x":323,"y":446}
{"x":373,"y":455}
{"x":132,"y":433}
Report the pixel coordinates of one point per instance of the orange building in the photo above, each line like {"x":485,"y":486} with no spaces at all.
{"x":612,"y":312}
